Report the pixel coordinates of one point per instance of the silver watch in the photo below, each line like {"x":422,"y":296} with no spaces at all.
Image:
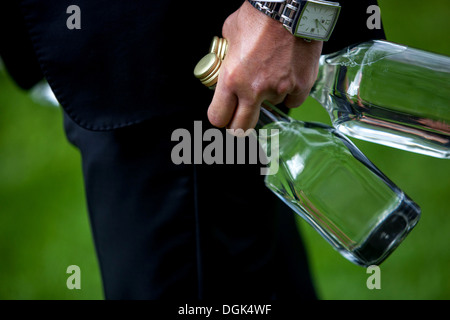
{"x":308,"y":19}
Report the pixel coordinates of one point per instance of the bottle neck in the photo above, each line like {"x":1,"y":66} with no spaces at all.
{"x":318,"y":89}
{"x":270,"y":114}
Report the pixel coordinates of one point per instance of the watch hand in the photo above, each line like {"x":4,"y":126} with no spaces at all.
{"x":321,"y":25}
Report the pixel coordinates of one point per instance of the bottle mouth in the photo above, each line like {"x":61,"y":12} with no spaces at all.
{"x":208,"y":68}
{"x":219,"y":46}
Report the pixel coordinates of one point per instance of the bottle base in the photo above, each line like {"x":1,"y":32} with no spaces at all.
{"x":381,"y":241}
{"x":386,"y":236}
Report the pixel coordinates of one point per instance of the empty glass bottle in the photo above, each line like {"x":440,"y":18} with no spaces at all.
{"x":388,"y":94}
{"x":325,"y":179}
{"x":385,"y":93}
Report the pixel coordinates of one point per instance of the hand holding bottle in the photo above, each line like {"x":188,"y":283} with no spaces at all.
{"x":323,"y":177}
{"x":265,"y":62}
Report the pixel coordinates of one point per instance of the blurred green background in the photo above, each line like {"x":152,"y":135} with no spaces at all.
{"x":44,"y":226}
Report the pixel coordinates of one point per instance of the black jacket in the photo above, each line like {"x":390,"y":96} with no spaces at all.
{"x":130,"y":60}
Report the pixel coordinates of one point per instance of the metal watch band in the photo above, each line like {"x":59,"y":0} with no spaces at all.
{"x":285,"y":12}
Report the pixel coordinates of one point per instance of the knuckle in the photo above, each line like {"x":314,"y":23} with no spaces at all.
{"x":258,"y":89}
{"x":295,"y":102}
{"x":227,"y":77}
{"x":302,"y":86}
{"x":231,"y":78}
{"x":285,"y":87}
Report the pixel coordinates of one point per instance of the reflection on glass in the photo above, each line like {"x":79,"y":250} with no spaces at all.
{"x":389,"y":94}
{"x":324,"y":178}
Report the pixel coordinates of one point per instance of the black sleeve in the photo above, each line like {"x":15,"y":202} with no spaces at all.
{"x":351,"y":27}
{"x":16,"y":49}
{"x":131,"y":60}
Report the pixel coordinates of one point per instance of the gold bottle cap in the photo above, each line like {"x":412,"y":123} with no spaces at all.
{"x":212,"y":78}
{"x":214,"y":45}
{"x":219,"y":46}
{"x":223,"y":50}
{"x":206,"y":65}
{"x":207,"y":69}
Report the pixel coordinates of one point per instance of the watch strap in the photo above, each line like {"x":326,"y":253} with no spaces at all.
{"x":285,"y":11}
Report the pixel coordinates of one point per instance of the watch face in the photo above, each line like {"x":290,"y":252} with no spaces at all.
{"x":317,"y":20}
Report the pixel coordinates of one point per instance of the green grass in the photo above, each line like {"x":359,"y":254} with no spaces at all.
{"x":420,"y":267}
{"x":44,"y":225}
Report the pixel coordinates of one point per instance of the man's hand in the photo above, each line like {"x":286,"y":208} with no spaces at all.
{"x":264,"y":62}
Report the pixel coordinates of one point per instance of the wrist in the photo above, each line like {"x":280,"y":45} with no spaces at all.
{"x":306,"y":19}
{"x":257,"y":20}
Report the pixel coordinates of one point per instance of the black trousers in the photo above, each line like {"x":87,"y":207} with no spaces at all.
{"x":161,"y":230}
{"x":185,"y":231}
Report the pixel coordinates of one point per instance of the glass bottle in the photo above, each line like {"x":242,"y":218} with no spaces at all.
{"x":324,"y":178}
{"x":385,"y":93}
{"x":388,"y":94}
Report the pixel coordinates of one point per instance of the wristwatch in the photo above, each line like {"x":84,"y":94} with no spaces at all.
{"x":308,"y":19}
